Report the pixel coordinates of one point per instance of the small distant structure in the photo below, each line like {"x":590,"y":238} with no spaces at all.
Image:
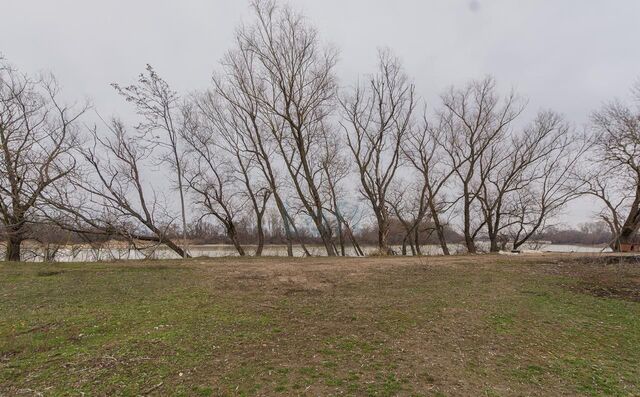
{"x":629,"y":247}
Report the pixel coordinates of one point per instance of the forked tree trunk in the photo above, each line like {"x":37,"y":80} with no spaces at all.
{"x":471,"y":245}
{"x":439,"y":228}
{"x":233,"y":236}
{"x":354,"y":242}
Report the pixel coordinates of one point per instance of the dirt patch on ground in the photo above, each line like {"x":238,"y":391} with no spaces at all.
{"x":604,"y":276}
{"x":481,"y":325}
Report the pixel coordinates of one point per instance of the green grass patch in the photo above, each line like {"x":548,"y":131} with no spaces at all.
{"x":234,"y":328}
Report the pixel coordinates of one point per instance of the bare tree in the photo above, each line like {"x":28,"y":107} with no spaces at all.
{"x":336,"y":168}
{"x":159,"y":106}
{"x":527,"y":178}
{"x":474,"y":119}
{"x":296,"y":96}
{"x":240,"y":87}
{"x":220,"y":169}
{"x":614,"y":196}
{"x":616,"y":154}
{"x":112,"y":198}
{"x":548,"y":182}
{"x":377,"y":118}
{"x":425,"y":155}
{"x":214,"y":189}
{"x":408,"y":202}
{"x":37,"y":135}
{"x":348,"y":219}
{"x":228,"y":125}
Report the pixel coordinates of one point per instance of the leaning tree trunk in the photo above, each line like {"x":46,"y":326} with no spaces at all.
{"x":285,"y":221}
{"x":167,"y":241}
{"x":615,"y":244}
{"x":629,"y":228}
{"x":354,"y":242}
{"x":325,"y":236}
{"x":443,"y":241}
{"x":439,"y":229}
{"x":233,"y":236}
{"x":177,"y":249}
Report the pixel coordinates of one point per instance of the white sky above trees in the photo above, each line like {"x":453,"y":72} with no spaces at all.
{"x":569,"y":55}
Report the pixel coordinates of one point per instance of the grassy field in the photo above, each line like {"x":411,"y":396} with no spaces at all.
{"x":463,"y":326}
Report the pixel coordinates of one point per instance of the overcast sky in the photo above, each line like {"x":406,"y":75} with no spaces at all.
{"x":569,"y":55}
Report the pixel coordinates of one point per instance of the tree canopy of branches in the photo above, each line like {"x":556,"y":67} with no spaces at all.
{"x":614,"y":175}
{"x":377,"y":118}
{"x":474,"y":120}
{"x":160,"y":108}
{"x":113,"y":197}
{"x":426,"y":157}
{"x":296,"y":96}
{"x":37,"y":136}
{"x":277,"y":150}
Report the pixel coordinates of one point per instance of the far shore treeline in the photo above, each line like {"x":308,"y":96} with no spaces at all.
{"x":275,"y":150}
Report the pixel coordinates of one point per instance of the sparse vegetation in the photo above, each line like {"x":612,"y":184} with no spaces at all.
{"x":482,"y":325}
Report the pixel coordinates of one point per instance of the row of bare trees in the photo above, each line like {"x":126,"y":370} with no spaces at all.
{"x":275,"y":134}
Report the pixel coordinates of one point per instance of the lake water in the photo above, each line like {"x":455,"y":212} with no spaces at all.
{"x":85,"y":254}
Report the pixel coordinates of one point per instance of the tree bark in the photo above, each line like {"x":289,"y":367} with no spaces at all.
{"x":233,"y":236}
{"x":416,"y":235}
{"x":494,"y":244}
{"x":285,"y":219}
{"x":439,"y":228}
{"x":632,"y":222}
{"x":176,"y":248}
{"x":468,"y":238}
{"x":354,"y":242}
{"x":383,"y":232}
{"x":14,"y":244}
{"x":260,"y":231}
